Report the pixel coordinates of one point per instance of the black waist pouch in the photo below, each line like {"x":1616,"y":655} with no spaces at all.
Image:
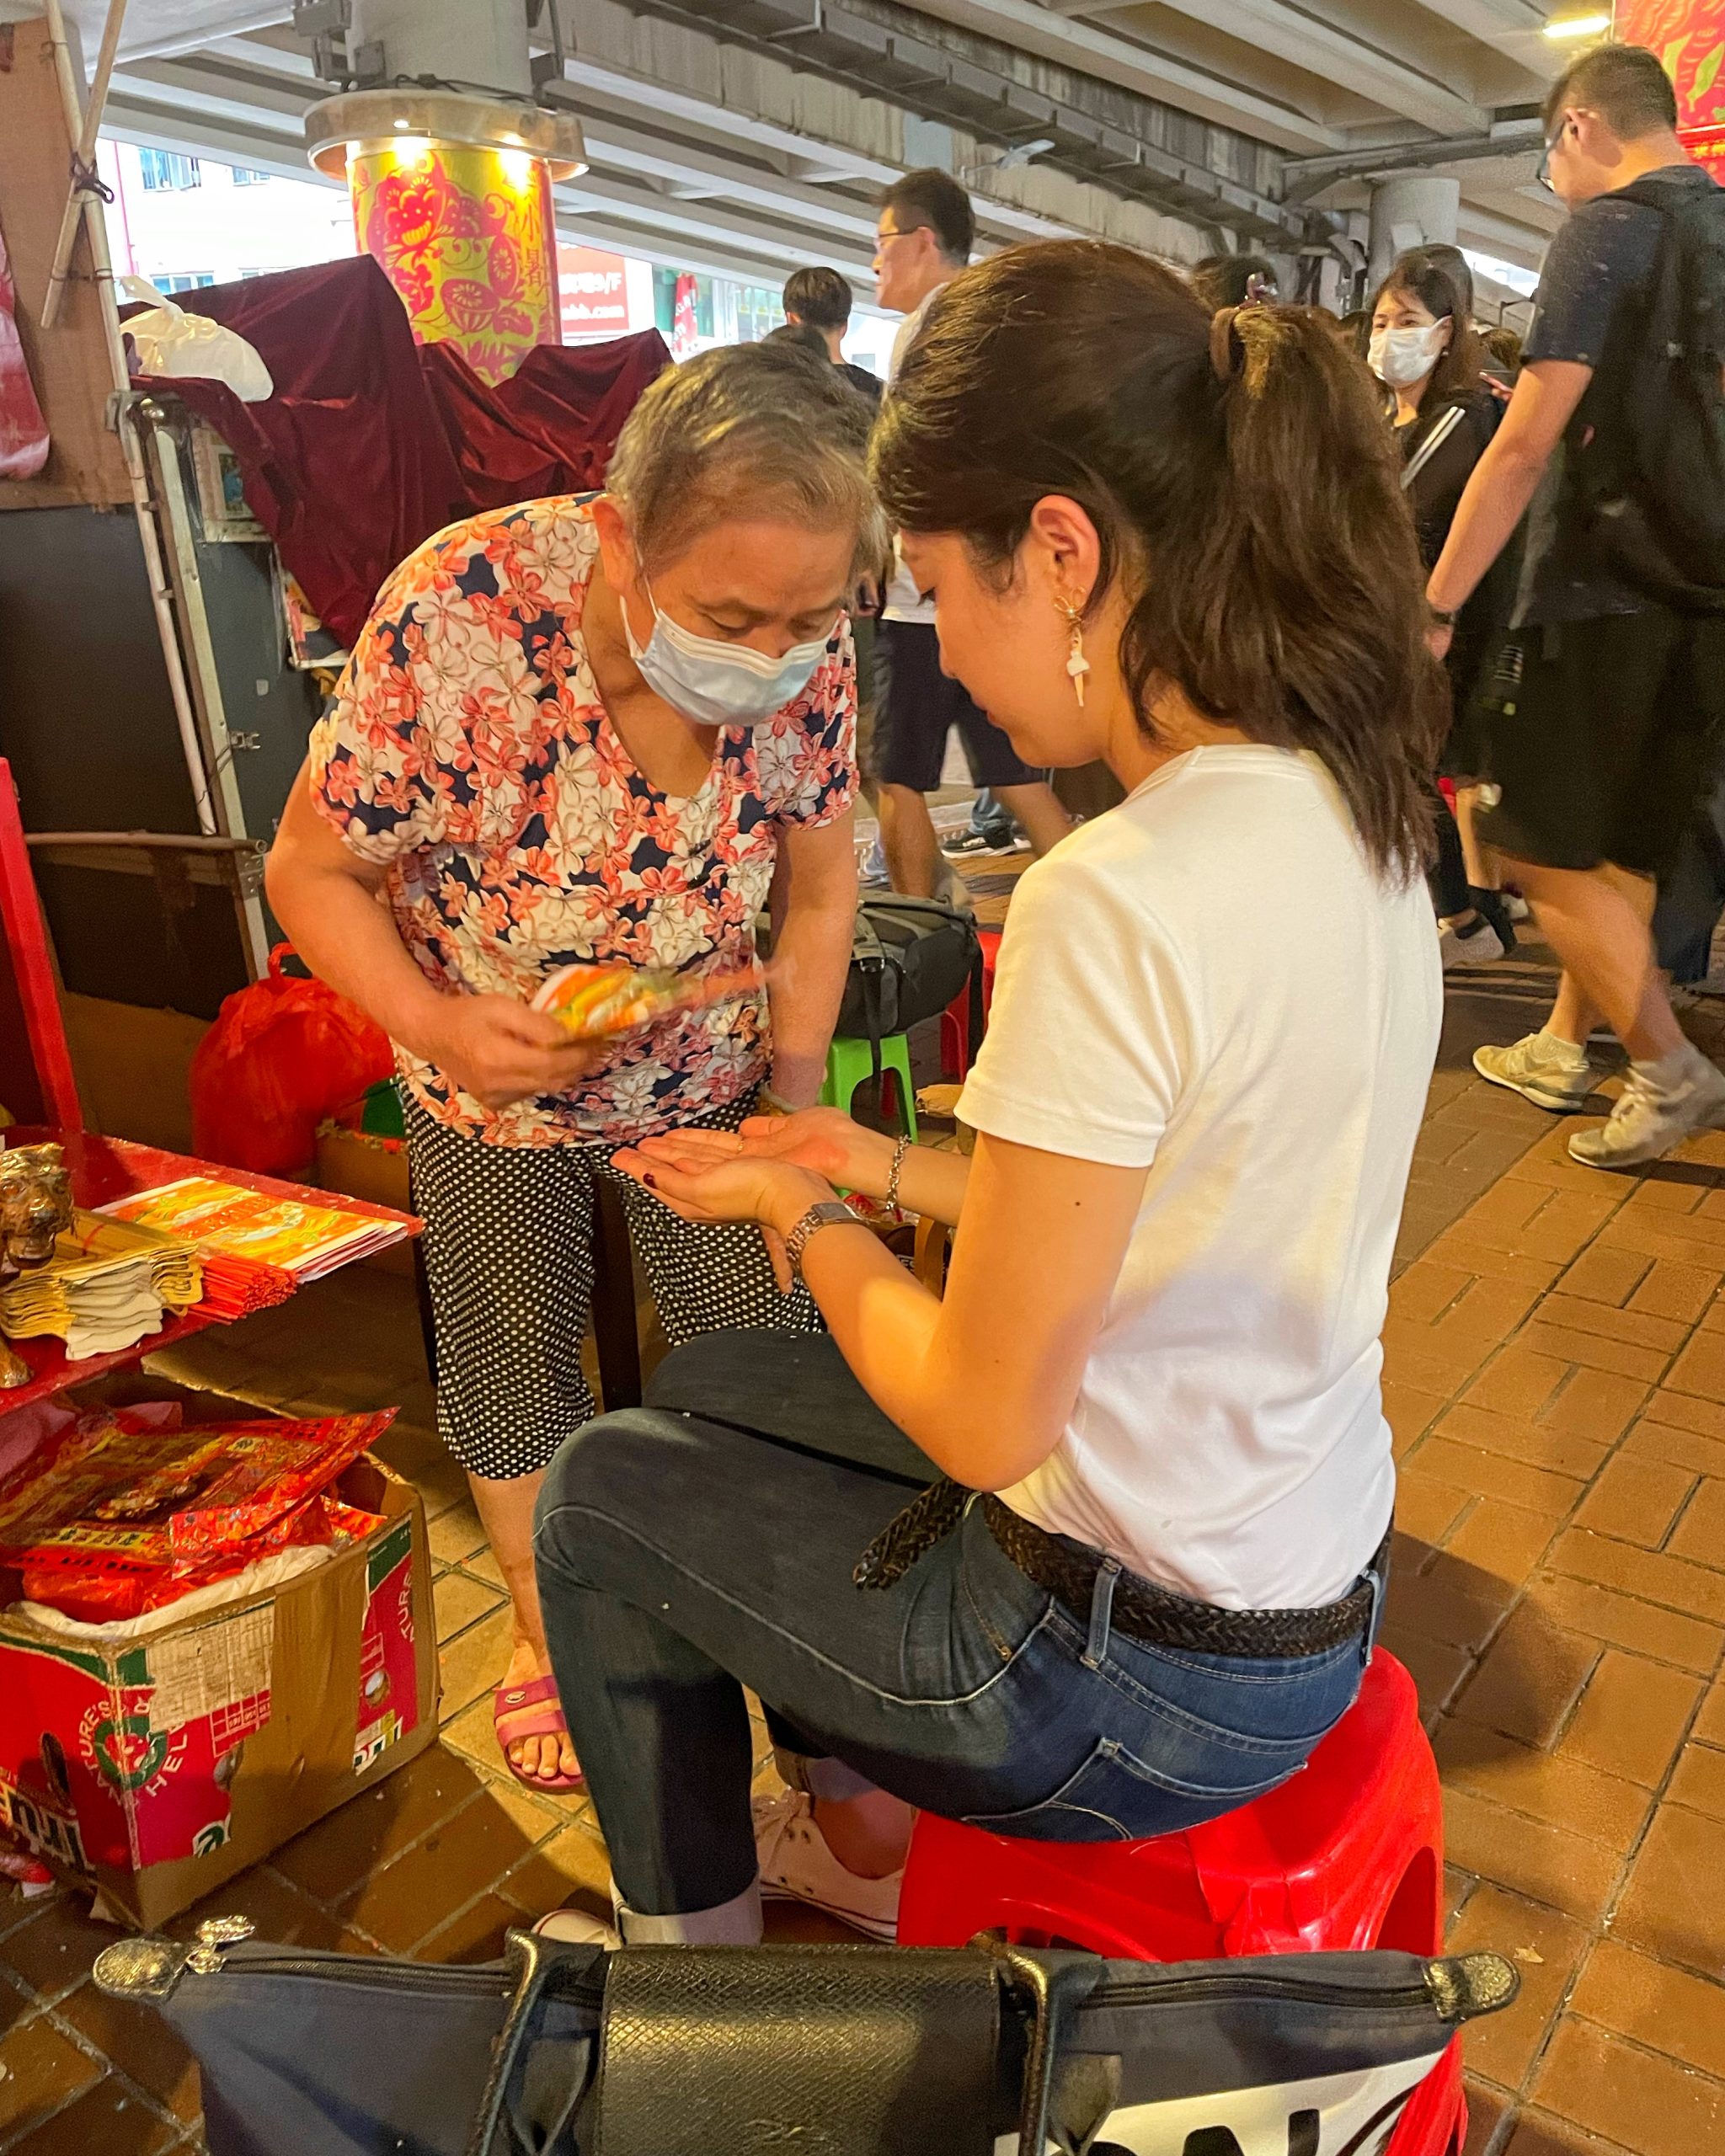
{"x":865,"y":2051}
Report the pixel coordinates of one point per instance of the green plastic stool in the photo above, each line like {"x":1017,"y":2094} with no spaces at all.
{"x":851,"y":1063}
{"x":380,"y":1114}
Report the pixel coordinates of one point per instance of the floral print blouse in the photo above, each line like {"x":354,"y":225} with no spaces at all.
{"x":467,"y":751}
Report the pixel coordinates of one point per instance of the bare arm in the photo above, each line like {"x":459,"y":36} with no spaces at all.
{"x":985,"y":1381}
{"x":1505,"y":478}
{"x":329,"y":901}
{"x":814,"y":913}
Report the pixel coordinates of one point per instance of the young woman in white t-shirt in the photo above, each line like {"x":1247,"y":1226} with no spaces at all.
{"x":1178,"y":544}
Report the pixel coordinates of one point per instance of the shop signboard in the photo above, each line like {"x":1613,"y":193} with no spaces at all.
{"x":1688,"y":36}
{"x":595,"y":288}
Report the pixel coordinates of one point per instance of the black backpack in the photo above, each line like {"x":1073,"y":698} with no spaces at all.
{"x":910,"y":959}
{"x":1650,"y":476}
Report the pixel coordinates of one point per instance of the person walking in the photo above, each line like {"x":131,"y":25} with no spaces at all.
{"x":1602,"y":713}
{"x":924,"y":238}
{"x":1424,"y":350}
{"x":581,"y":730}
{"x":821,"y":300}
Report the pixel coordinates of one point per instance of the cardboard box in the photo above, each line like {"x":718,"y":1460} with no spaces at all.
{"x":157,"y":1771}
{"x":356,"y":1164}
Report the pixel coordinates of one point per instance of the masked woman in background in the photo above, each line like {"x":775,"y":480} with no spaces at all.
{"x":1426,"y":352}
{"x":581,"y":730}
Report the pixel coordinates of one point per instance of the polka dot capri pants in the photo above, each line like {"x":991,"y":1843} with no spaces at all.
{"x":509,"y":1256}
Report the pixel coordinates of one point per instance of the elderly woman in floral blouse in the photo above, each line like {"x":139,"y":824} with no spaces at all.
{"x":587,"y":730}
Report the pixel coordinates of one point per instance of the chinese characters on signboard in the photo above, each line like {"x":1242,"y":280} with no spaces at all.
{"x":603,"y":295}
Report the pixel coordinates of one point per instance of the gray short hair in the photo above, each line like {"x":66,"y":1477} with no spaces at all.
{"x":746,"y":431}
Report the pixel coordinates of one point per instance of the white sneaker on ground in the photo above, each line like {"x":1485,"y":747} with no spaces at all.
{"x":796,"y":1865}
{"x":1477,"y":947}
{"x":575,"y":1927}
{"x":1517,"y":907}
{"x":1551,"y":1073}
{"x":1661,"y":1104}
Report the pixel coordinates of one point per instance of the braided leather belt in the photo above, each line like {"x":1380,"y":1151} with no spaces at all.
{"x":1140,"y":1608}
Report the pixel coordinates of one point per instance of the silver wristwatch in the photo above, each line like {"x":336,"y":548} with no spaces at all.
{"x":829,"y":1212}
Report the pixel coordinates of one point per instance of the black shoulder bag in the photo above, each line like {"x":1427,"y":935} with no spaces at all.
{"x":864,"y":2051}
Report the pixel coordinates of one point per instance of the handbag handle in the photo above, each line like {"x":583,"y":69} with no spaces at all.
{"x":1056,"y":1981}
{"x":1051,"y":1984}
{"x":543,"y":1969}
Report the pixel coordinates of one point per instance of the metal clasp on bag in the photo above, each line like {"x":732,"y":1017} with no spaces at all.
{"x":150,"y":1968}
{"x":213,"y":1935}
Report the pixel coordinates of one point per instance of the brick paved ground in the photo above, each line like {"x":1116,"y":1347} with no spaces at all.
{"x":1556,"y":1382}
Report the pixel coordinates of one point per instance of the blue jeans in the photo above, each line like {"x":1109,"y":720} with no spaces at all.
{"x":705,"y":1541}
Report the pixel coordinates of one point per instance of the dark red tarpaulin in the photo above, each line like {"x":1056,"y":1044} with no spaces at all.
{"x":371,"y":442}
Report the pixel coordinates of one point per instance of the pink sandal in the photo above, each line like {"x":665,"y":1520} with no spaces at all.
{"x":531,"y":1710}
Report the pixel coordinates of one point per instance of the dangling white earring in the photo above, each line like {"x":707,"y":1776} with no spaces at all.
{"x":1077,"y":665}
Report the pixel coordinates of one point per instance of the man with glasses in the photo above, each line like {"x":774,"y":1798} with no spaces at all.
{"x":1602,"y":716}
{"x":922,"y":240}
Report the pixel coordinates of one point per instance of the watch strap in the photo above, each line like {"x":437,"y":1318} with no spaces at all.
{"x":829,"y":1212}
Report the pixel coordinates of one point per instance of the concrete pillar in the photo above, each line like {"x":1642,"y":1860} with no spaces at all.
{"x":457,"y":41}
{"x":451,"y":189}
{"x":1411,"y":210}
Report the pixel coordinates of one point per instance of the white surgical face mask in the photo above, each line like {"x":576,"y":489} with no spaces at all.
{"x":1400,"y":357}
{"x":717,"y":683}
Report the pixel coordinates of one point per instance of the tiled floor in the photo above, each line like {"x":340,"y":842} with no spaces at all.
{"x":1556,"y":1382}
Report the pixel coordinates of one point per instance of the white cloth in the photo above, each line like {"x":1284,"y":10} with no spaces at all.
{"x":904,"y":601}
{"x":1209,"y":981}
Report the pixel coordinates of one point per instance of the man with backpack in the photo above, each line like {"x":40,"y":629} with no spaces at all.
{"x":1603,"y":714}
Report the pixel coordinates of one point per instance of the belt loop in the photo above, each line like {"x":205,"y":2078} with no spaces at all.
{"x":1369,"y":1637}
{"x":1102,"y":1607}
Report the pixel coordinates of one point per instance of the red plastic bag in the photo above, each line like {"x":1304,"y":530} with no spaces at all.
{"x":283,"y":1055}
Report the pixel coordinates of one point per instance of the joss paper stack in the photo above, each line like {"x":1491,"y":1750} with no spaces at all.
{"x":106,"y":1287}
{"x":227,"y":1220}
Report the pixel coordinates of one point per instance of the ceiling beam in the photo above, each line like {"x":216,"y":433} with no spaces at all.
{"x":778,"y":249}
{"x":1339,"y":56}
{"x":220,"y":93}
{"x":1032,"y":28}
{"x":655,"y":104}
{"x":595,"y":212}
{"x":1304,"y":176}
{"x":1514,"y":27}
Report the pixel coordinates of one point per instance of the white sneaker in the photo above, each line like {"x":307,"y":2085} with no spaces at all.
{"x":1660,"y":1105}
{"x":796,"y":1865}
{"x":1537,"y":1068}
{"x":1477,"y":947}
{"x":575,"y":1927}
{"x":1517,"y":907}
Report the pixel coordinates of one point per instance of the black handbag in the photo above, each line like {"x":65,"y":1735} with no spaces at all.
{"x":865,"y":2051}
{"x":910,"y":958}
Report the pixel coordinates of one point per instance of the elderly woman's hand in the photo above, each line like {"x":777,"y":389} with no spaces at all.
{"x":828,"y":1143}
{"x":500,"y":1051}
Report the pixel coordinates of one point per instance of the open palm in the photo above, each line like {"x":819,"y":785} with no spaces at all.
{"x":824,"y":1141}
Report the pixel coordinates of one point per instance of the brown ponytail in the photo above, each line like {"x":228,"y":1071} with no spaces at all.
{"x":1240,"y":478}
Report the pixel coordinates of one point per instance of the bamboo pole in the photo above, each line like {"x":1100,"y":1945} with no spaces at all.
{"x":73,"y":214}
{"x":161,"y":591}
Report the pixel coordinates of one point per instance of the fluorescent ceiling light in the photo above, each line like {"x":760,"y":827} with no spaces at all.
{"x":1568,"y":26}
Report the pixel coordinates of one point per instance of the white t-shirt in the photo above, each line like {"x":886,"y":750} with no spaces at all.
{"x":904,"y":601}
{"x":1209,"y":981}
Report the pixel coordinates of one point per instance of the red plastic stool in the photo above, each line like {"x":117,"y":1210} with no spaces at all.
{"x":1347,"y":1854}
{"x":957,"y":1052}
